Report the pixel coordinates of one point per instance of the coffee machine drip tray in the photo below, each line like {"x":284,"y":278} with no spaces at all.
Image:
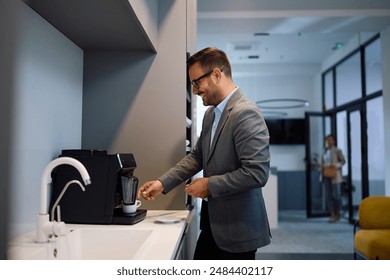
{"x":120,"y":218}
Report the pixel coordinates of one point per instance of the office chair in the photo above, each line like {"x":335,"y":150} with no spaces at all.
{"x":372,"y":230}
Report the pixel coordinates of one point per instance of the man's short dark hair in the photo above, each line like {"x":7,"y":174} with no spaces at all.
{"x":210,"y":58}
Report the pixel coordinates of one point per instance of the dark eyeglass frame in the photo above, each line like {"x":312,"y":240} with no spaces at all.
{"x":195,"y":82}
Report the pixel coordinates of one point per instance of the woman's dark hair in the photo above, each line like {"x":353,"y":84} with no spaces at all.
{"x":210,"y":58}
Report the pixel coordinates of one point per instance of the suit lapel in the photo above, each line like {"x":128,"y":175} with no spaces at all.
{"x":224,"y":117}
{"x":221,"y":124}
{"x":206,"y":130}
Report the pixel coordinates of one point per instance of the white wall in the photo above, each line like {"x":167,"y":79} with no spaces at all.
{"x":47,"y":114}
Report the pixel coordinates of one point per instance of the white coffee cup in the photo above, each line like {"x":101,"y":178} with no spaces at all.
{"x":131,"y":208}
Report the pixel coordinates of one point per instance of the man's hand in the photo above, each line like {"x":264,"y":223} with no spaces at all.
{"x":150,"y":190}
{"x":198,"y":188}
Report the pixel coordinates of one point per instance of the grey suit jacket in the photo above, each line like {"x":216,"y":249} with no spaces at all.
{"x":237,"y":165}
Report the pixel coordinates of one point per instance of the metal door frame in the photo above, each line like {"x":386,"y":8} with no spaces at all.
{"x":308,"y":163}
{"x":364,"y":168}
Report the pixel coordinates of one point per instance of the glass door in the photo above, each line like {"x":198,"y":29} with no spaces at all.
{"x":318,"y":125}
{"x":375,"y":147}
{"x":356,"y":178}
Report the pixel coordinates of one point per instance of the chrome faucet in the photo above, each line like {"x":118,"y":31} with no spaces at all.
{"x":46,"y":228}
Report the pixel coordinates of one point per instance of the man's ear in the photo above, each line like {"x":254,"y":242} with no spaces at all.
{"x":218,"y":74}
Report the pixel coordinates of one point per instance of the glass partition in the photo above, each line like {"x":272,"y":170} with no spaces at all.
{"x":356,"y":160}
{"x":316,"y":196}
{"x":342,"y":137}
{"x":373,"y":67}
{"x":352,"y":96}
{"x":348,"y":80}
{"x":342,"y":143}
{"x":328,"y":91}
{"x":375,"y":146}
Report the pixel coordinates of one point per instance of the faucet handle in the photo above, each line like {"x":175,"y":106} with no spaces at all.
{"x":59,"y":229}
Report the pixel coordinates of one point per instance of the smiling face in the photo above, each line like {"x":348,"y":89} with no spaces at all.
{"x":204,"y":84}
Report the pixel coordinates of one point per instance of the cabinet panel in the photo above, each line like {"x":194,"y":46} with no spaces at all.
{"x":95,"y":24}
{"x":291,"y":190}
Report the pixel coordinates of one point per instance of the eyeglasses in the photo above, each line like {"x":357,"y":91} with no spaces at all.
{"x":195,"y":82}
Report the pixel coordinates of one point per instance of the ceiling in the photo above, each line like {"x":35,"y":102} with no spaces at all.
{"x":287,"y":31}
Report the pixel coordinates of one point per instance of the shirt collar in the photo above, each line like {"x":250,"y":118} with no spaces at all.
{"x":221,"y":106}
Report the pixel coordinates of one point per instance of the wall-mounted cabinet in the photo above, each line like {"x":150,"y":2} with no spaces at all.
{"x":96,"y":24}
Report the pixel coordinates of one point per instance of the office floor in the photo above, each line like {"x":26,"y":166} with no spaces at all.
{"x":300,"y":238}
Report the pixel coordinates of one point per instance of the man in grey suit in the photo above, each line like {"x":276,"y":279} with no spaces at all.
{"x":233,"y":152}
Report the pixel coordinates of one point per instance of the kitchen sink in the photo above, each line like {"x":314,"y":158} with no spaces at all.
{"x":157,"y":237}
{"x":85,"y":244}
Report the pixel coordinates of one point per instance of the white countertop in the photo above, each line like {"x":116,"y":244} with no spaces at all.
{"x":166,"y":237}
{"x":159,"y":236}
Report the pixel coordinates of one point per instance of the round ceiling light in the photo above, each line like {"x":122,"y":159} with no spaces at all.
{"x":282,"y":103}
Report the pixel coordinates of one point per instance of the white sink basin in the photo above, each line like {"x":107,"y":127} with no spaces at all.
{"x":86,"y":244}
{"x":30,"y":252}
{"x":95,"y":244}
{"x":149,"y":239}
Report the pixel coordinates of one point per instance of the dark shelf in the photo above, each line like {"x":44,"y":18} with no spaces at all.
{"x":95,"y":24}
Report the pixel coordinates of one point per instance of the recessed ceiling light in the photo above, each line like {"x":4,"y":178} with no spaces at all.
{"x":243,"y":46}
{"x":261,"y":34}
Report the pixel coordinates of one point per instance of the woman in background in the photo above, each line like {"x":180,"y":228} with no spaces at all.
{"x":332,"y":161}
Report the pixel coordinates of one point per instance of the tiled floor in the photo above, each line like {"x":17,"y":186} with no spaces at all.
{"x":298,"y":237}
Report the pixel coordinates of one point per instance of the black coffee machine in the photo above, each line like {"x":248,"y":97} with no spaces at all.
{"x":112,"y":176}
